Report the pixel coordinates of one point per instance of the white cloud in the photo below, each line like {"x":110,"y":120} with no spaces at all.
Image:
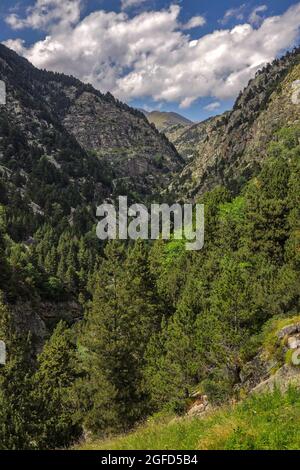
{"x":125,"y":4}
{"x":194,"y":22}
{"x":46,"y":14}
{"x":18,"y":45}
{"x":236,"y":13}
{"x":149,"y":55}
{"x":255,"y":17}
{"x":212,"y":106}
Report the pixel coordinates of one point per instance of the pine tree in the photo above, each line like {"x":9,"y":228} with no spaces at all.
{"x":119,"y":325}
{"x":57,"y":424}
{"x":16,"y":425}
{"x":267,"y":210}
{"x":4,"y":268}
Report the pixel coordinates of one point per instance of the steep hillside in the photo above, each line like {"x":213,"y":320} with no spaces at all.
{"x":230,"y":148}
{"x":268,"y":418}
{"x":163,"y":120}
{"x":64,"y":147}
{"x":59,"y":132}
{"x":268,"y":422}
{"x":173,"y":125}
{"x":190,"y":140}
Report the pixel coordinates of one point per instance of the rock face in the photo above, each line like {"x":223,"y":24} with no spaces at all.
{"x":41,"y":317}
{"x":88,"y":139}
{"x":228,"y":149}
{"x":285,"y":377}
{"x":164,"y":121}
{"x":123,"y":139}
{"x":264,"y":374}
{"x":174,"y":126}
{"x":191,"y":141}
{"x":288,"y":331}
{"x":200,"y":407}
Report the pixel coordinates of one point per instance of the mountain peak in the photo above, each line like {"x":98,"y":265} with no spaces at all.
{"x":54,"y":115}
{"x":163,"y":120}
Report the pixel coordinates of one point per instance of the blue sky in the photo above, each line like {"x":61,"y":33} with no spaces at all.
{"x":189,"y":56}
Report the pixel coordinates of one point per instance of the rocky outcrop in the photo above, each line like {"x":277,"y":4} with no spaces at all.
{"x":191,"y":141}
{"x":228,"y":150}
{"x":200,"y":407}
{"x":87,"y":138}
{"x":39,"y":318}
{"x":285,"y":377}
{"x":265,"y":373}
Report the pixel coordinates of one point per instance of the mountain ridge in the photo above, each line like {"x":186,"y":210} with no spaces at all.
{"x":164,"y":119}
{"x":228,"y":149}
{"x":125,"y":151}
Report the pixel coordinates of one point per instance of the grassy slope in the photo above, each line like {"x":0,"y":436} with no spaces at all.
{"x":165,"y":119}
{"x":269,"y":421}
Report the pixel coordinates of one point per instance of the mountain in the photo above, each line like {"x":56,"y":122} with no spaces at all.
{"x":163,"y":120}
{"x":65,"y":148}
{"x":171,"y":124}
{"x":230,"y":148}
{"x":190,"y":138}
{"x":60,"y":135}
{"x":127,"y":330}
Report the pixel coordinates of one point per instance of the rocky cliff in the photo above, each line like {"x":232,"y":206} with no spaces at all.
{"x":65,"y":147}
{"x":228,"y":149}
{"x":75,"y":133}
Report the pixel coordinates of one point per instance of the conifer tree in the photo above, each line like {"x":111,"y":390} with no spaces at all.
{"x":267,"y":210}
{"x":119,"y":325}
{"x":4,"y":269}
{"x":55,"y":411}
{"x":16,"y":425}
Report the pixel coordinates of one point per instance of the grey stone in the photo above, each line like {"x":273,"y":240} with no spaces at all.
{"x":288,"y":331}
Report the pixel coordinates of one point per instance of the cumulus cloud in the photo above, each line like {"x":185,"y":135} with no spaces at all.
{"x":47,"y":14}
{"x":194,"y":22}
{"x":212,"y":106}
{"x":149,"y":55}
{"x":125,"y":4}
{"x":236,"y":13}
{"x":255,"y":18}
{"x":18,"y":45}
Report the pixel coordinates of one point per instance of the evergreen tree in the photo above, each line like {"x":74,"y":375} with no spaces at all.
{"x":16,"y":425}
{"x":267,"y":210}
{"x":118,"y":328}
{"x":4,"y":268}
{"x":55,"y":410}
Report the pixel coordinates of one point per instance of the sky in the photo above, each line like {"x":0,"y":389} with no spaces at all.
{"x":187,"y":56}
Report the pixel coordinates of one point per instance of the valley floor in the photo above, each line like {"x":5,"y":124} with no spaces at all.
{"x":261,"y":422}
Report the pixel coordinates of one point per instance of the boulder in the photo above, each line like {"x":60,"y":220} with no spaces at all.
{"x":294,"y":342}
{"x":286,"y":376}
{"x":289,"y":331}
{"x":199,"y":407}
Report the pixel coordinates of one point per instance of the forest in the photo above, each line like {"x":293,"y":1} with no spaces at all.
{"x":157,"y":322}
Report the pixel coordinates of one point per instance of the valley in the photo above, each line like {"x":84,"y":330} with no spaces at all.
{"x":108,"y":337}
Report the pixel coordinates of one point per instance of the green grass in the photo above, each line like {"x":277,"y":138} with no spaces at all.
{"x":270,"y":421}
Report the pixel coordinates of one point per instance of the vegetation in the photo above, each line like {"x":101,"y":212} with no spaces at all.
{"x":263,"y":422}
{"x":153,"y":322}
{"x":159,"y":321}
